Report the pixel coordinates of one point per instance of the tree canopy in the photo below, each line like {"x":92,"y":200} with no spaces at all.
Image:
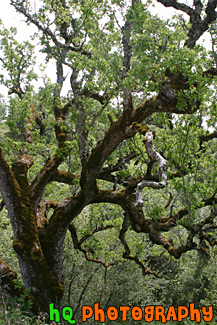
{"x":123,"y":141}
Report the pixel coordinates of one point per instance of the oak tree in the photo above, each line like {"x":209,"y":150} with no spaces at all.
{"x":138,"y":120}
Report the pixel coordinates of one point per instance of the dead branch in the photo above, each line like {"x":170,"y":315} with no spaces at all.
{"x":153,"y":155}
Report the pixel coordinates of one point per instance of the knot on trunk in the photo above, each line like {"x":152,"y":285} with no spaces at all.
{"x":167,"y":94}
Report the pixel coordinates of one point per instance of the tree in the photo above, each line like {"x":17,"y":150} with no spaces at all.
{"x":127,"y":67}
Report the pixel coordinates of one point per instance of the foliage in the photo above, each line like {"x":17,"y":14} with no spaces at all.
{"x":111,"y":167}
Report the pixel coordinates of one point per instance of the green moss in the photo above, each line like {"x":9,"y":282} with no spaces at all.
{"x":142,"y":129}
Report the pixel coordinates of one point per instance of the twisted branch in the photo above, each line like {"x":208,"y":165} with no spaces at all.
{"x":154,"y":156}
{"x":77,"y":243}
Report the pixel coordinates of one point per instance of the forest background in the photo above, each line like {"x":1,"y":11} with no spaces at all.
{"x":108,"y":157}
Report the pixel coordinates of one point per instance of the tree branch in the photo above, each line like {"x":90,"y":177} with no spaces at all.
{"x":46,"y":31}
{"x":153,"y":155}
{"x":62,"y":176}
{"x":77,"y":243}
{"x":177,"y":5}
{"x":121,"y":164}
{"x":2,"y":204}
{"x":126,"y":253}
{"x":94,"y":232}
{"x":10,"y":189}
{"x":208,"y":137}
{"x":127,"y":95}
{"x":198,"y":25}
{"x":43,"y":178}
{"x":41,"y":217}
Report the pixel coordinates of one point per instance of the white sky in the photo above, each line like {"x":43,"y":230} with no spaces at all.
{"x":10,"y":18}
